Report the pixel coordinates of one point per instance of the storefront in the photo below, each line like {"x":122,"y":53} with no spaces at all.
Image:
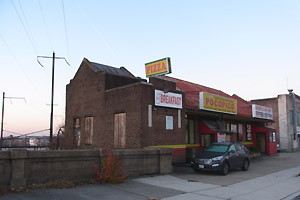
{"x":214,"y":116}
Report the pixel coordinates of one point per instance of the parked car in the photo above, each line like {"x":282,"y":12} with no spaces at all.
{"x":222,"y":157}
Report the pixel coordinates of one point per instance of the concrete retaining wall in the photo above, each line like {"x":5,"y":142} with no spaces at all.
{"x":21,"y":168}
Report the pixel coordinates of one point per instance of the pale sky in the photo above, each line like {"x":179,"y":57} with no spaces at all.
{"x":246,"y":47}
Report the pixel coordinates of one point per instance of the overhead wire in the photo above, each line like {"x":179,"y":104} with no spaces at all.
{"x":66,"y":30}
{"x":45,"y":24}
{"x":17,"y":61}
{"x":30,"y":39}
{"x":22,"y":18}
{"x":12,"y":132}
{"x":27,"y":24}
{"x":33,"y":132}
{"x":95,"y":29}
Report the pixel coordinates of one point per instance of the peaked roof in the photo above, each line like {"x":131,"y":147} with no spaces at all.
{"x":122,"y":71}
{"x":192,"y":91}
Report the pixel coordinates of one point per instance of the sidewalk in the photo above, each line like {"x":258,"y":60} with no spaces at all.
{"x":273,"y":178}
{"x":282,"y":185}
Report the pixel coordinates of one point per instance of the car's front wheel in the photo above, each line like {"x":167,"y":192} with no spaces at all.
{"x":225,"y":169}
{"x":245,"y":166}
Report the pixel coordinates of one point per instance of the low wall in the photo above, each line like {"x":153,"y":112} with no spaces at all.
{"x":21,"y":168}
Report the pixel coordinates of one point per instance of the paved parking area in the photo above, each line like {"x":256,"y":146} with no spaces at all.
{"x":260,"y":166}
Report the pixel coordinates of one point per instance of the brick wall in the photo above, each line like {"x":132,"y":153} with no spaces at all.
{"x":271,"y":103}
{"x":84,"y":98}
{"x":126,"y":99}
{"x":21,"y":168}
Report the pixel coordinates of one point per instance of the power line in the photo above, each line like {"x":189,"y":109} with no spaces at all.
{"x":45,"y":24}
{"x":27,"y":24}
{"x":30,"y":39}
{"x":65,"y":22}
{"x":95,"y":29}
{"x":32,"y":133}
{"x":17,"y":61}
{"x":12,"y":132}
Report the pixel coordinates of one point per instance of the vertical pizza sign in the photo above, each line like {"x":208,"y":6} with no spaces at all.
{"x":158,"y":67}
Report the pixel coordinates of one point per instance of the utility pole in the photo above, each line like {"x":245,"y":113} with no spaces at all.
{"x":2,"y":119}
{"x":52,"y":89}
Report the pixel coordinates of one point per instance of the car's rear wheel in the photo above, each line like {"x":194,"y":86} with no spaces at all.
{"x":225,"y":169}
{"x":245,"y":166}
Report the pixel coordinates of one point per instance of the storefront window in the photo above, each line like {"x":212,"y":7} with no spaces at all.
{"x":228,"y":128}
{"x":207,"y":139}
{"x":249,"y":133}
{"x":233,"y":128}
{"x":240,"y":131}
{"x":190,"y":132}
{"x":228,"y":137}
{"x":272,"y":137}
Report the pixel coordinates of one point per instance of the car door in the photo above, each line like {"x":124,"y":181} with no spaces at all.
{"x":232,"y":156}
{"x":240,"y":155}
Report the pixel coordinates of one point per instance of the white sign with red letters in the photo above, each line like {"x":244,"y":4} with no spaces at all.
{"x":168,"y":99}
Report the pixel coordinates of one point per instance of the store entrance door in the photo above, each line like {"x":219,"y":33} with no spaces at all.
{"x":261,"y":142}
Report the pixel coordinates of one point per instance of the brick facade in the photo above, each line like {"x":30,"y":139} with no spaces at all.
{"x":102,"y":94}
{"x":282,"y":108}
{"x":271,"y":103}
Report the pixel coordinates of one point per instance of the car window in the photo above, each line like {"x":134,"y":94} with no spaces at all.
{"x":232,"y":147}
{"x":244,"y":148}
{"x":217,"y":148}
{"x":238,"y":147}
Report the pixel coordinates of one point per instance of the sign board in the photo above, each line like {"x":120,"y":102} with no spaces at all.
{"x":233,"y":128}
{"x":217,"y":103}
{"x":158,"y":67}
{"x":169,"y":99}
{"x":262,"y":112}
{"x":221,"y":137}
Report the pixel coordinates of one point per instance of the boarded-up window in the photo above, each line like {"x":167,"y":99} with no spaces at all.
{"x":119,"y":130}
{"x":76,"y":132}
{"x":88,"y":130}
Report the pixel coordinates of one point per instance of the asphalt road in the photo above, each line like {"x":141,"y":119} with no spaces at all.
{"x":259,"y":166}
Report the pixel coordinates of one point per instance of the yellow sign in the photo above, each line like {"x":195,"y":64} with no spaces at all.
{"x":217,"y":103}
{"x":158,"y":67}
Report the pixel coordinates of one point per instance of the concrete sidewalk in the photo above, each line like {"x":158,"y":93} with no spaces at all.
{"x":282,"y":185}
